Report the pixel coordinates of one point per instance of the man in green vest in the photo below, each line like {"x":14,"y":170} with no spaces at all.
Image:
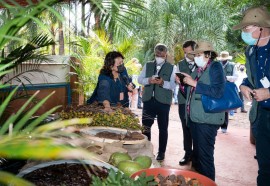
{"x":158,"y":79}
{"x":186,"y":65}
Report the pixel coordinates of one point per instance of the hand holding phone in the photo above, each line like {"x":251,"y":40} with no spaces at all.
{"x":181,"y":76}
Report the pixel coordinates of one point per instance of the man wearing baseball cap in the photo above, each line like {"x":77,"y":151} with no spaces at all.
{"x":255,"y":27}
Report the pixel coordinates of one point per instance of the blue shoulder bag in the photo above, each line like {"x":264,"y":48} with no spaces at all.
{"x":229,"y":101}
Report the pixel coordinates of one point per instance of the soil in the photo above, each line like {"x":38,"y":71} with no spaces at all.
{"x":129,"y":136}
{"x":68,"y":174}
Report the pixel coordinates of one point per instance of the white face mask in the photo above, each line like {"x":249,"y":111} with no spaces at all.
{"x":199,"y":61}
{"x":159,"y":60}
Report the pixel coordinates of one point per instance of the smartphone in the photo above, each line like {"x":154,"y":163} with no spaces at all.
{"x":181,"y":76}
{"x":156,"y":76}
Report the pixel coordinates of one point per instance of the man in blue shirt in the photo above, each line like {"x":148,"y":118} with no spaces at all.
{"x":255,"y":27}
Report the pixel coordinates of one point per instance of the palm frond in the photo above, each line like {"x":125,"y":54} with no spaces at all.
{"x":11,"y":28}
{"x":27,"y":53}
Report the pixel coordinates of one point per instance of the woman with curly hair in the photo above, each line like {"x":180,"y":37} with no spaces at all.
{"x":113,"y":83}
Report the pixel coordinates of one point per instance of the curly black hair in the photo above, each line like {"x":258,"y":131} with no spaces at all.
{"x":109,"y":62}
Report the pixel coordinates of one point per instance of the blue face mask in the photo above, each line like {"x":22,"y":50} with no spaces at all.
{"x":248,"y":39}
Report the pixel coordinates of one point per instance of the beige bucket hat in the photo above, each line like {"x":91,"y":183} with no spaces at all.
{"x":224,"y":55}
{"x":258,"y":16}
{"x":203,"y":46}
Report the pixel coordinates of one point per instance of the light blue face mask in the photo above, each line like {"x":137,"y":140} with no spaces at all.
{"x":247,"y":38}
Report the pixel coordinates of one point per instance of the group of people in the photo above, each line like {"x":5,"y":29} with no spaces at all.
{"x":203,"y":75}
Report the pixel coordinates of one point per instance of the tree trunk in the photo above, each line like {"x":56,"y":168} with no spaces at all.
{"x":53,"y":46}
{"x":83,"y":18}
{"x":61,"y":39}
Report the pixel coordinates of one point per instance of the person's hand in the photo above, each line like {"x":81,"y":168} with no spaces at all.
{"x":261,"y":94}
{"x":187,"y":75}
{"x":177,"y":79}
{"x":159,"y":82}
{"x":190,"y":81}
{"x":130,"y":87}
{"x":151,"y":80}
{"x":108,"y":110}
{"x":246,"y":91}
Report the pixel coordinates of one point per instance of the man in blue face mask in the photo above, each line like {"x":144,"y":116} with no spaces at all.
{"x":255,"y":27}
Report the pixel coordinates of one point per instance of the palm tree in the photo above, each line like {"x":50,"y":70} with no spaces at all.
{"x":114,"y":15}
{"x":174,"y":21}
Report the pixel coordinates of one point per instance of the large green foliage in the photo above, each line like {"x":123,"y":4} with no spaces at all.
{"x":174,"y":21}
{"x":21,"y":137}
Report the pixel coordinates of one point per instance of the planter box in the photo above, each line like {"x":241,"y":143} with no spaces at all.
{"x":59,"y":82}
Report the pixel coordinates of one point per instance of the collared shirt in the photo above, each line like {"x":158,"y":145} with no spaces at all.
{"x":142,"y":79}
{"x":263,"y":66}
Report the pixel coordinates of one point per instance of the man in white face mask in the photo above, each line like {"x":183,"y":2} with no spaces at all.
{"x":187,"y":65}
{"x":158,"y":78}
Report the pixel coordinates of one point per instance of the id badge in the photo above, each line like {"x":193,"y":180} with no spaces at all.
{"x":121,"y":96}
{"x":265,"y":82}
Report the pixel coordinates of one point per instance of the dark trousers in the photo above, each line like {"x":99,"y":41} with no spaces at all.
{"x":263,"y":147}
{"x":187,"y":139}
{"x":242,"y":99}
{"x":226,"y":121}
{"x":139,"y":105}
{"x":204,"y":137}
{"x":151,"y":109}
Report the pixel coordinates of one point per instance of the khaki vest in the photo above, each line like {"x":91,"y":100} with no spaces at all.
{"x":162,"y":95}
{"x":197,"y":113}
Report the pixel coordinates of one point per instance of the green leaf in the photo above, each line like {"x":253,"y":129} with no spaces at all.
{"x":10,"y":179}
{"x":30,"y":113}
{"x":41,"y":149}
{"x":6,"y":101}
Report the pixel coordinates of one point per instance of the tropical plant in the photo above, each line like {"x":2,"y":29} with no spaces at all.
{"x":19,"y":137}
{"x":114,"y":16}
{"x":26,"y":53}
{"x":174,"y":21}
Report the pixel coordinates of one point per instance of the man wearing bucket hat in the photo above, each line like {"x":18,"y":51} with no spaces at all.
{"x":207,"y":79}
{"x":230,"y":71}
{"x":255,"y":27}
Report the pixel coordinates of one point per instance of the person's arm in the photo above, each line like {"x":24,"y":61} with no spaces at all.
{"x":103,"y":91}
{"x":177,"y":68}
{"x":246,"y":82}
{"x":142,"y":77}
{"x":217,"y":82}
{"x":170,"y":84}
